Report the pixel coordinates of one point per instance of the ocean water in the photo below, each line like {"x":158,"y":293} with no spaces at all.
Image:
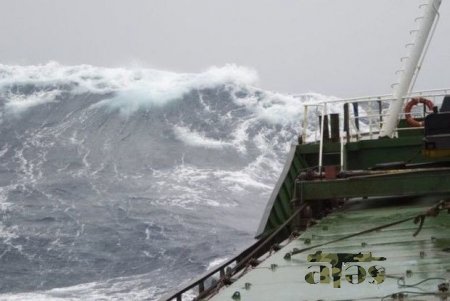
{"x":120,"y":184}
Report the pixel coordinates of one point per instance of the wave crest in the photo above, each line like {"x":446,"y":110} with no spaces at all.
{"x":133,"y":88}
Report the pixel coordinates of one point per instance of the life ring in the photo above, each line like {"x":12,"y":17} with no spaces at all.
{"x":413,"y":102}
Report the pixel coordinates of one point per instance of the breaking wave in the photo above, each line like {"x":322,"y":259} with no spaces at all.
{"x":121,"y":183}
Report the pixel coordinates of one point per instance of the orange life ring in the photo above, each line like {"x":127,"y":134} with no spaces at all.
{"x":413,"y":102}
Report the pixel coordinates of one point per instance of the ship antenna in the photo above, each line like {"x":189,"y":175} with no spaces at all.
{"x":411,"y":64}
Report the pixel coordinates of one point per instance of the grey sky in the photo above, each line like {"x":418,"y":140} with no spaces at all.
{"x":334,"y":47}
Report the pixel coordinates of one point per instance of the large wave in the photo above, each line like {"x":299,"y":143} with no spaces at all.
{"x":123,"y":183}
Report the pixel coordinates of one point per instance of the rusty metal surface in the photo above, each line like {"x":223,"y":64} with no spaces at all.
{"x":408,"y":259}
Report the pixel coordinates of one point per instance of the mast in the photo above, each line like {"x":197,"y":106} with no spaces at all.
{"x":411,"y":65}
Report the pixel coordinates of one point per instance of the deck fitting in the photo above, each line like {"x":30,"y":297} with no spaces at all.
{"x":398,"y":296}
{"x":444,"y":287}
{"x":276,"y":247}
{"x":228,"y":271}
{"x":236,"y":296}
{"x":409,"y":273}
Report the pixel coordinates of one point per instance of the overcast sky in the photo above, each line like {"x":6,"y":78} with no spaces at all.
{"x":334,"y":47}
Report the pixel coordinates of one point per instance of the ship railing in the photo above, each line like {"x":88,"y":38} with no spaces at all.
{"x":210,"y":282}
{"x":353,"y":119}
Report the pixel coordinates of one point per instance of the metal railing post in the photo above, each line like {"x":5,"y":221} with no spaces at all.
{"x":305,"y":123}
{"x":322,"y":121}
{"x":342,"y":153}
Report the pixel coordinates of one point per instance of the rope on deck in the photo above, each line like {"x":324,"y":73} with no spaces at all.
{"x":418,"y":219}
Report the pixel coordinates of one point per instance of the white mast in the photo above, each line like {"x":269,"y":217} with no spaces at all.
{"x":411,"y":65}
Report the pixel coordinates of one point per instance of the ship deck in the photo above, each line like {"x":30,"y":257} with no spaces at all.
{"x":424,"y":258}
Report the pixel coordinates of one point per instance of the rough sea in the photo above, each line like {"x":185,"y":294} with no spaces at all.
{"x":120,"y":184}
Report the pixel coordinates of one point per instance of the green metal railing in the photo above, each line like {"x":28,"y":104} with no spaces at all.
{"x":231,"y":267}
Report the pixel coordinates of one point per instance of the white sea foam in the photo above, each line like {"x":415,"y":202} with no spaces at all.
{"x":4,"y":149}
{"x":158,"y":88}
{"x":274,"y":107}
{"x":131,"y":288}
{"x":191,"y":186}
{"x":216,"y":262}
{"x":17,"y":104}
{"x":134,"y":88}
{"x":194,"y":138}
{"x":240,"y":135}
{"x":7,"y":233}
